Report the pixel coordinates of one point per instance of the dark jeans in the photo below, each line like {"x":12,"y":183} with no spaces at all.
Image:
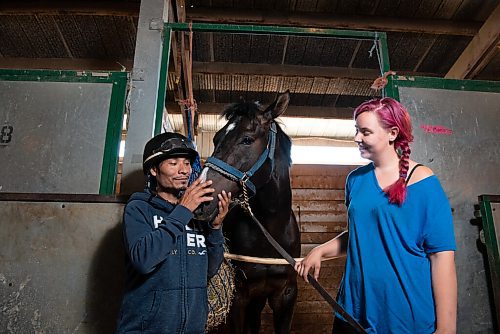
{"x":342,"y":327}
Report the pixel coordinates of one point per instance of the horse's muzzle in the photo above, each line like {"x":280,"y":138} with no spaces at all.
{"x":203,"y":213}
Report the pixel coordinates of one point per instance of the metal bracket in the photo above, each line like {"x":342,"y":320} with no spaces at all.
{"x":138,"y":74}
{"x":156,"y":24}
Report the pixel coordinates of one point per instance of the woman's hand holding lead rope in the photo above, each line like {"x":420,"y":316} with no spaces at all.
{"x":311,"y":261}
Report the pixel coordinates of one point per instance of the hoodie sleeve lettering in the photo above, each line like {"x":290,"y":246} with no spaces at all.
{"x":148,"y":245}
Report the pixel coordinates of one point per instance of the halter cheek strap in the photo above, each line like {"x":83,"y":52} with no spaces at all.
{"x":244,"y":177}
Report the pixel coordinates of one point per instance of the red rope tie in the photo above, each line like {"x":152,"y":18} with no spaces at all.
{"x":382,"y":81}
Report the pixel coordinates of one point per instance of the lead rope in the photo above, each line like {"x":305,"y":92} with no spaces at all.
{"x":326,"y":296}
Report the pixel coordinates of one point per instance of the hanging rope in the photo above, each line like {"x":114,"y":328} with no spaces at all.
{"x":196,"y":166}
{"x":190,"y":66}
{"x":190,"y":106}
{"x":380,"y":82}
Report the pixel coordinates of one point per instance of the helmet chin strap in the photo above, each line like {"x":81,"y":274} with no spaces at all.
{"x":150,"y":183}
{"x":180,"y":193}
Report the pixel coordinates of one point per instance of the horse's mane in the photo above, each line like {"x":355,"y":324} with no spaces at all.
{"x":250,"y":110}
{"x":244,"y":109}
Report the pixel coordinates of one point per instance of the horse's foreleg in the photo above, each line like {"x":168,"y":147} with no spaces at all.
{"x":283,"y":305}
{"x":245,"y":315}
{"x":237,"y":315}
{"x":254,"y":310}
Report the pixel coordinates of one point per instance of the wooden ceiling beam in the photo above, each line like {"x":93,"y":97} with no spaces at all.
{"x":480,"y":50}
{"x":284,"y":70}
{"x":67,"y":64}
{"x":208,"y":15}
{"x":330,"y":21}
{"x":292,"y":70}
{"x":98,"y":8}
{"x":292,"y":111}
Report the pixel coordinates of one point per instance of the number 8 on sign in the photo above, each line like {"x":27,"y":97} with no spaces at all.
{"x":6,"y":134}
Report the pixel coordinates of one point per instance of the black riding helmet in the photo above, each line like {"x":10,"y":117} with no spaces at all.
{"x":166,"y":145}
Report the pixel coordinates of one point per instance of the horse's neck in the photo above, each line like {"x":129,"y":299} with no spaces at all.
{"x":275,"y":197}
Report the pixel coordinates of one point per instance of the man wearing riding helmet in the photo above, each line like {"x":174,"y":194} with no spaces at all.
{"x":169,"y":254}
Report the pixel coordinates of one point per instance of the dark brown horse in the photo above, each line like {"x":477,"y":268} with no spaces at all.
{"x":252,"y":151}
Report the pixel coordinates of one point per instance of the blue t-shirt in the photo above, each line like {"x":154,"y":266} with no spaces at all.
{"x":387,"y":281}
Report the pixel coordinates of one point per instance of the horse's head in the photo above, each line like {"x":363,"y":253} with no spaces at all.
{"x":243,"y":151}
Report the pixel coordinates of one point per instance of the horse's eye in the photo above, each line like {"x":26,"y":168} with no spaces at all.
{"x":247,"y":141}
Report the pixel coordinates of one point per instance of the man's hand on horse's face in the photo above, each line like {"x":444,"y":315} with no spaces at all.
{"x":224,"y":201}
{"x":197,"y":193}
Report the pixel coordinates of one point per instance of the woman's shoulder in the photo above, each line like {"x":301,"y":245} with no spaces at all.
{"x":419,"y":173}
{"x":358,"y":172}
{"x":361,"y":170}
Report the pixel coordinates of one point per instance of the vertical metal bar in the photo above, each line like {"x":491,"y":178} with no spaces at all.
{"x":162,"y":85}
{"x":492,"y":249}
{"x":276,"y":30}
{"x":392,"y":90}
{"x":384,"y":55}
{"x":384,"y":50}
{"x":144,"y":91}
{"x":113,"y":134}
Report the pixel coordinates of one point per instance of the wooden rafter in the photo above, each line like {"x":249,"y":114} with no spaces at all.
{"x":482,"y":48}
{"x":301,"y":19}
{"x":292,"y":111}
{"x":98,"y":8}
{"x":424,"y":55}
{"x":67,"y":63}
{"x":63,"y":40}
{"x":283,"y":70}
{"x":325,"y":20}
{"x":291,"y":70}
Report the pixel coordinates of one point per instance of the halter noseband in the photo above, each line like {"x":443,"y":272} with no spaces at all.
{"x":244,"y":177}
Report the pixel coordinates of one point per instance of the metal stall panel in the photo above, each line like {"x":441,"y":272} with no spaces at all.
{"x":61,"y":267}
{"x":456,"y":135}
{"x":490,"y":219}
{"x":60,"y":131}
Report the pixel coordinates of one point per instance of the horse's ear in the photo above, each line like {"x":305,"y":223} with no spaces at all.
{"x":278,"y":107}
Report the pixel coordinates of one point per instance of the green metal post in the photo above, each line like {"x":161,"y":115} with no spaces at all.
{"x":162,"y":85}
{"x":113,"y":134}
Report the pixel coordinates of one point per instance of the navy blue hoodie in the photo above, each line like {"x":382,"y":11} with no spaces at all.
{"x":169,"y":258}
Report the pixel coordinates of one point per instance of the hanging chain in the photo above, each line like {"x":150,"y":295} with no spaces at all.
{"x":245,"y":204}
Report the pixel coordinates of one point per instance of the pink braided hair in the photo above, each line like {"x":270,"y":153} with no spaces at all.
{"x":391,"y":113}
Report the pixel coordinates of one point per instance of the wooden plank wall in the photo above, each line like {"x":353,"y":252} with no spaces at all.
{"x":318,"y":203}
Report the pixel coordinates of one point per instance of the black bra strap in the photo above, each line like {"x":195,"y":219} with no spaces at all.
{"x":411,"y":172}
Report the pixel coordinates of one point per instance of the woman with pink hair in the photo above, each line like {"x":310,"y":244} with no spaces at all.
{"x":400,"y":272}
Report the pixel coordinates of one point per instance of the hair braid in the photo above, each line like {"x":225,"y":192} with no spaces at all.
{"x":397,"y":191}
{"x":404,"y":164}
